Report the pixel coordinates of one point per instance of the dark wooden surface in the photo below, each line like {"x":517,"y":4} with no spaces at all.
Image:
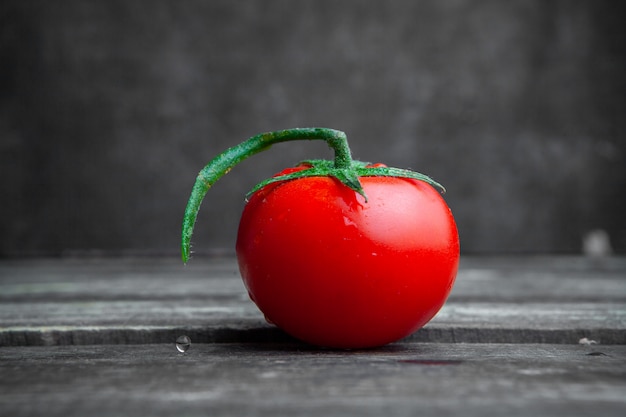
{"x":519,"y":336}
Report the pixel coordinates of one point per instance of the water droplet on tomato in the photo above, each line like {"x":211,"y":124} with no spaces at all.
{"x":183,"y":343}
{"x":349,"y":222}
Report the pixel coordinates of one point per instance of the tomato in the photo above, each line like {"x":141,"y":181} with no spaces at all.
{"x":340,"y":253}
{"x":333,"y":270}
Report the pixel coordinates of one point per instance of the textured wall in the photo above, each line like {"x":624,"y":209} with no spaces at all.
{"x":109,"y":109}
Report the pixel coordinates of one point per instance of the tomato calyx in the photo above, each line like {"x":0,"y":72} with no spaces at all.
{"x":343,"y":168}
{"x":347,"y":176}
{"x":318,"y":168}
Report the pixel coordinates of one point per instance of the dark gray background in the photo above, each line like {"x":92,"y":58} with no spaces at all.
{"x":109,"y":109}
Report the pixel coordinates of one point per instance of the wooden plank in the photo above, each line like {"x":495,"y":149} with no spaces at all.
{"x":135,"y":300}
{"x":98,"y":320}
{"x":286,"y":380}
{"x":157,"y":322}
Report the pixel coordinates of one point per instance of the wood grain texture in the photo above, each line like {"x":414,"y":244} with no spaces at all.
{"x":129,"y":301}
{"x":96,"y":337}
{"x":425,"y":379}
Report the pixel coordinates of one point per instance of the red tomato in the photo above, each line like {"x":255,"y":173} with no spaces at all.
{"x":334,"y":270}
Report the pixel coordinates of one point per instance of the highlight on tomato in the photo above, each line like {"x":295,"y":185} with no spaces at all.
{"x":341,"y":253}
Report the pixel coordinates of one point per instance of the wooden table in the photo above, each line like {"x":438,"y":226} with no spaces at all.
{"x":519,"y":336}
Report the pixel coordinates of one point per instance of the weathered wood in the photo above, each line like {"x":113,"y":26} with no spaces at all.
{"x":96,"y":337}
{"x":274,"y":380}
{"x":495,"y":300}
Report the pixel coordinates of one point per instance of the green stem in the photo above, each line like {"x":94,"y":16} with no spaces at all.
{"x":224,"y":162}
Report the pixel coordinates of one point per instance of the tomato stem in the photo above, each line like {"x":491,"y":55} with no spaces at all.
{"x":224,"y":162}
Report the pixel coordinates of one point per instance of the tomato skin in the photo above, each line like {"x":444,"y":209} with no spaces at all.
{"x":333,"y":270}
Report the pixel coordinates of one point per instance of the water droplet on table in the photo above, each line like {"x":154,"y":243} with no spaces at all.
{"x":183,"y":343}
